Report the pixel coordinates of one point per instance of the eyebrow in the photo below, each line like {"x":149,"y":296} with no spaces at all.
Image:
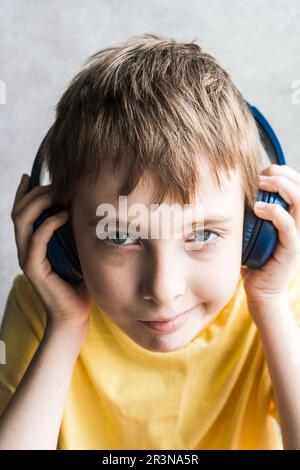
{"x":208,"y":221}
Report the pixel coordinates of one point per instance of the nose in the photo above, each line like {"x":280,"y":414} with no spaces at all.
{"x":164,"y":280}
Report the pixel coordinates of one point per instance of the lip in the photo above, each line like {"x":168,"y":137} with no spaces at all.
{"x":169,"y":325}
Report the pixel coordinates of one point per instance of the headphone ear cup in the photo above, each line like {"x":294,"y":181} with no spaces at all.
{"x":259,"y":236}
{"x":61,"y":248}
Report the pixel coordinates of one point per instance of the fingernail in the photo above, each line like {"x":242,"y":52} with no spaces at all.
{"x":260,"y":205}
{"x":263,"y":178}
{"x":64,"y":214}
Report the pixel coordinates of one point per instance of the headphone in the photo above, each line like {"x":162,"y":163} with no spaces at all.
{"x":259,"y":236}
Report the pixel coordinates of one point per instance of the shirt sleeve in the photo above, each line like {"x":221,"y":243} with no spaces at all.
{"x":22,"y":329}
{"x":294,"y":296}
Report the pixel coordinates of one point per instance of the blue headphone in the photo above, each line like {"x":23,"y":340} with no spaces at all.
{"x":259,"y":236}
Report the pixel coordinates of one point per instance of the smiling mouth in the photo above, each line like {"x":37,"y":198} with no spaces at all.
{"x":168,"y":326}
{"x":167,"y":320}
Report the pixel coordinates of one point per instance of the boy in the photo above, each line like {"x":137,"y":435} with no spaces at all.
{"x":95,"y":366}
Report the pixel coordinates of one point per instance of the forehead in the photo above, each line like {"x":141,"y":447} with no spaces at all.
{"x":107,"y":190}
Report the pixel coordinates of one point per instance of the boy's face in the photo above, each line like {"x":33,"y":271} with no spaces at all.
{"x":157,"y":278}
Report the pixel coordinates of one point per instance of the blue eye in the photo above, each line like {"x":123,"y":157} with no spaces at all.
{"x":198,"y":235}
{"x":120,"y":240}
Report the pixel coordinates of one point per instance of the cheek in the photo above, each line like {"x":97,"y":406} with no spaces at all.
{"x":111,"y":284}
{"x":107,"y":280}
{"x":214,"y":281}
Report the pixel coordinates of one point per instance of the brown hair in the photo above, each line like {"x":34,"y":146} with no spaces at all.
{"x":151,"y":103}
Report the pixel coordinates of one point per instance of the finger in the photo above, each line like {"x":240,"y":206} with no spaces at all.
{"x":288,"y":190}
{"x":22,"y":188}
{"x":37,"y":263}
{"x":289,"y":240}
{"x":283,"y":170}
{"x":23,"y":223}
{"x":26,"y":198}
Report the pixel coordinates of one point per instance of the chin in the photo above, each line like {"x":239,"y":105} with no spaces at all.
{"x":163,"y":343}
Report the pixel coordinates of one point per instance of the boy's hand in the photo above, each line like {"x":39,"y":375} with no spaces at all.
{"x":64,"y":304}
{"x":270,"y":283}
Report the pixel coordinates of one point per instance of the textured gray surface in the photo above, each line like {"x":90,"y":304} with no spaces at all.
{"x":43,"y":44}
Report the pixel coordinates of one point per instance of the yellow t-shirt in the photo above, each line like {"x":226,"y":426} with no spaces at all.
{"x":215,"y":393}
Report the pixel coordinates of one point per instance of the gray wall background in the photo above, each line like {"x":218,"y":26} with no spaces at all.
{"x":44,"y":43}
